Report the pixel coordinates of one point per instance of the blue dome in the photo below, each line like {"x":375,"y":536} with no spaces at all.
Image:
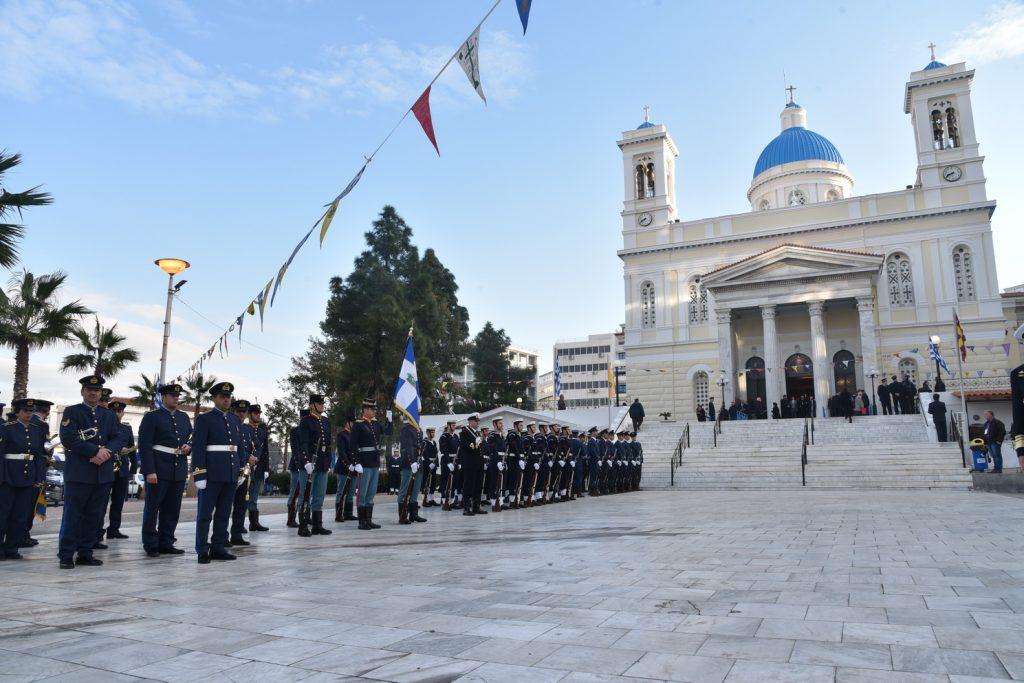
{"x":645,"y":124}
{"x":933,"y":65}
{"x":796,"y":144}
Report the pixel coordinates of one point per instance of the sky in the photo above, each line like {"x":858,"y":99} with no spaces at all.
{"x":216,"y":132}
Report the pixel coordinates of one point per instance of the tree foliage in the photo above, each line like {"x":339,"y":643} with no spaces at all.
{"x":390,"y":289}
{"x":13,"y":203}
{"x":144,"y":393}
{"x":103,"y":351}
{"x":495,"y":381}
{"x":197,"y":390}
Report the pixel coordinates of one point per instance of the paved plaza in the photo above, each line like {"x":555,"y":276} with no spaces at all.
{"x":843,"y":586}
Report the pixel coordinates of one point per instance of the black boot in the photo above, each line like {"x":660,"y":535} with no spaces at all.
{"x":304,"y":526}
{"x":363,"y":524}
{"x":291,"y":516}
{"x":403,"y":514}
{"x":348,"y":511}
{"x":414,"y":513}
{"x":318,"y":524}
{"x":339,"y":516}
{"x":369,"y":517}
{"x":236,"y":539}
{"x":254,"y":522}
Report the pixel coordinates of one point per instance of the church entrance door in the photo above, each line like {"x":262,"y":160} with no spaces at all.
{"x":799,"y":376}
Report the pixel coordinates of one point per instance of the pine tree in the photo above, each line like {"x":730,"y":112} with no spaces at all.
{"x":495,"y":381}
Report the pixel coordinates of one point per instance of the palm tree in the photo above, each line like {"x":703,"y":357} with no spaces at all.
{"x":31,"y":318}
{"x":11,"y":202}
{"x":145,"y":393}
{"x":197,"y":389}
{"x":102,"y":352}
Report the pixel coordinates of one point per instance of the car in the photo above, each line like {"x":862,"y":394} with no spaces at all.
{"x":54,"y":492}
{"x":136,"y":484}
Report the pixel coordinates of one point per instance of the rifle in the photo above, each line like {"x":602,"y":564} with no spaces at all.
{"x":499,"y":485}
{"x":306,"y":512}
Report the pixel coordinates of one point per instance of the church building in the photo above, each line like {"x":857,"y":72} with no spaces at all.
{"x":816,"y":288}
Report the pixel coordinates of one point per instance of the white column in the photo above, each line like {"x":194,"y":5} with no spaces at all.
{"x":771,"y":357}
{"x":725,"y":362}
{"x":868,"y":344}
{"x":819,"y":355}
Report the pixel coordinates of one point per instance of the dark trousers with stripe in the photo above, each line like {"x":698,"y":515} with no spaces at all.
{"x":239,"y":508}
{"x":160,"y":513}
{"x":215,"y":506}
{"x":84,"y":507}
{"x":16,"y":506}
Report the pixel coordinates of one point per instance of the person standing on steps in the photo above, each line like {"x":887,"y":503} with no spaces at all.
{"x":636,"y":414}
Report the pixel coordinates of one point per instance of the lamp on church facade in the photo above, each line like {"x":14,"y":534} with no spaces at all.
{"x":873,"y":408}
{"x":723,"y":382}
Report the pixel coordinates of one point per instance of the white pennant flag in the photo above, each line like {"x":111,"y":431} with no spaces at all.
{"x":469,"y":59}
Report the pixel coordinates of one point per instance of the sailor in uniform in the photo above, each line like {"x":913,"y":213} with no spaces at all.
{"x":448,"y":446}
{"x":90,"y":436}
{"x":471,"y":461}
{"x":516,"y":463}
{"x":164,"y":448}
{"x":431,"y":473}
{"x":23,"y":463}
{"x":215,"y":468}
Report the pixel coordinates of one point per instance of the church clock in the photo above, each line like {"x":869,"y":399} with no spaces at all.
{"x":951,"y":174}
{"x":645,"y":219}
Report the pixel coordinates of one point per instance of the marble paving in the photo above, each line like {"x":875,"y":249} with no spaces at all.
{"x":844,"y":586}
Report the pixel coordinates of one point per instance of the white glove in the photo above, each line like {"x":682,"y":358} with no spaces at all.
{"x":572,"y":464}
{"x":415,"y":467}
{"x":561,"y":463}
{"x":308,"y":467}
{"x":201,"y":484}
{"x":501,"y":467}
{"x":536,"y":465}
{"x":266,"y":475}
{"x":351,"y":468}
{"x":388,"y":414}
{"x":460,"y":467}
{"x":550,"y":463}
{"x":432,"y":465}
{"x":451,"y":467}
{"x":522,"y":464}
{"x":600,"y":463}
{"x":359,"y":469}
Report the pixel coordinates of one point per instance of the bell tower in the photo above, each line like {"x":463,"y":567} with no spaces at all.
{"x":938,"y":99}
{"x":648,"y":163}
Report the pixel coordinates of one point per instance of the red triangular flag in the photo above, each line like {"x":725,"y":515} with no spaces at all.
{"x":421,"y":110}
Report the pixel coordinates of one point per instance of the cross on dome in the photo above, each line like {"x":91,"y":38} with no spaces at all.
{"x":931,"y":46}
{"x":790,"y":90}
{"x":647,"y":113}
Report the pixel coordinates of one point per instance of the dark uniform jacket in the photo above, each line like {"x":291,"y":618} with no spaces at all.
{"x":409,"y":445}
{"x":215,"y":447}
{"x":104,"y":432}
{"x":449,"y":443}
{"x":345,"y":455}
{"x":167,"y":430}
{"x":365,"y":436}
{"x":429,"y":451}
{"x":315,"y":442}
{"x":469,"y":446}
{"x":27,"y":442}
{"x":295,"y":459}
{"x":261,"y":449}
{"x":125,"y":460}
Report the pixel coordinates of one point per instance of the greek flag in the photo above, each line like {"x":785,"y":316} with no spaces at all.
{"x":934,"y":353}
{"x":407,"y":388}
{"x":558,"y":379}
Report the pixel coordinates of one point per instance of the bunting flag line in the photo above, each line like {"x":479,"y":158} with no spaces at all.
{"x":421,"y":110}
{"x":239,"y":322}
{"x":468,"y":56}
{"x":523,"y":6}
{"x":469,"y":59}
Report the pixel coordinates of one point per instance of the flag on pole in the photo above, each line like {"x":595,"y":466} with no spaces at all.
{"x":558,"y":380}
{"x":469,"y":58}
{"x":407,"y":388}
{"x":524,"y":12}
{"x":611,"y":380}
{"x":961,"y":338}
{"x":933,"y":351}
{"x":421,"y":110}
{"x":41,"y":505}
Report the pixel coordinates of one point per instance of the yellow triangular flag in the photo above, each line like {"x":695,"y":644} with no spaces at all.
{"x":252,"y":308}
{"x":326,"y":223}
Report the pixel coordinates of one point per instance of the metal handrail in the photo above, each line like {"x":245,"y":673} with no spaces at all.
{"x":717,"y":429}
{"x":677,"y":454}
{"x":812,"y":430}
{"x":920,"y":408}
{"x":957,"y":433}
{"x":803,"y":456}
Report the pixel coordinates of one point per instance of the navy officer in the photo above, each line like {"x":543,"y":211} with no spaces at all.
{"x":90,"y":436}
{"x":215,"y":468}
{"x":164,"y":437}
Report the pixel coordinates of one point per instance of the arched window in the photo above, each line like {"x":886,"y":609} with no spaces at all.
{"x":952,"y":127}
{"x":938,"y":130}
{"x":700,"y":389}
{"x":698,"y":306}
{"x":900,"y":280}
{"x":833,"y":195}
{"x":639,"y":180}
{"x":647,"y":304}
{"x":650,"y":180}
{"x":907,"y":368}
{"x":764,"y":205}
{"x":845,"y":371}
{"x":945,"y":125}
{"x":797,"y":198}
{"x":963,"y":273}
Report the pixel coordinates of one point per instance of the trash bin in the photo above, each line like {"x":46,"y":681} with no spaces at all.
{"x":979,"y":455}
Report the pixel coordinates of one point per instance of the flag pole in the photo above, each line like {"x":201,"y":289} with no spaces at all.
{"x":957,"y":326}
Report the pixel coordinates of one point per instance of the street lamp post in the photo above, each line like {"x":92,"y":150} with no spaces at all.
{"x":723,"y":381}
{"x":939,"y":384}
{"x":171,"y":266}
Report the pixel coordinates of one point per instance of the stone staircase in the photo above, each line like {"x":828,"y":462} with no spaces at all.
{"x":872,"y":453}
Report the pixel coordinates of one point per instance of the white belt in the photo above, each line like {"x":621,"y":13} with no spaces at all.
{"x":368,"y":449}
{"x":172,"y":451}
{"x":229,"y":449}
{"x":502,"y":453}
{"x":19,"y":456}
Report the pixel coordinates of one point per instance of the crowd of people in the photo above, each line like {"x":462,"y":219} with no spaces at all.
{"x":226,"y":454}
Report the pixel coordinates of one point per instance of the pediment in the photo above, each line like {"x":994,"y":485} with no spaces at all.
{"x":792,"y":262}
